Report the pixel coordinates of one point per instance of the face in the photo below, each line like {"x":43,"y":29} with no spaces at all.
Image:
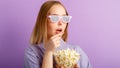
{"x":59,"y":26}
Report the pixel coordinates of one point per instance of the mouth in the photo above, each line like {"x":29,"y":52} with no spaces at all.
{"x":59,"y":30}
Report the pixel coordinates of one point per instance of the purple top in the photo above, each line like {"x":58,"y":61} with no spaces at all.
{"x":34,"y":55}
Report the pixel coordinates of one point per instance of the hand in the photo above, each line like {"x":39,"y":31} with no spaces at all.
{"x":76,"y":66}
{"x":53,"y":42}
{"x":61,"y":66}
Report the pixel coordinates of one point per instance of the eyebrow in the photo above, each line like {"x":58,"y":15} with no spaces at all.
{"x":57,"y":14}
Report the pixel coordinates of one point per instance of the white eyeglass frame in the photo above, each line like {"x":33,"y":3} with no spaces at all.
{"x":60,"y":17}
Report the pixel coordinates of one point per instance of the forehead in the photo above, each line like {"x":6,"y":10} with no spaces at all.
{"x":57,"y":10}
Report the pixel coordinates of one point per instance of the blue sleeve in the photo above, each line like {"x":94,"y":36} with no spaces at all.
{"x":30,"y":58}
{"x":84,"y":61}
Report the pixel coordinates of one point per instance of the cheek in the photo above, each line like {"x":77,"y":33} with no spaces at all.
{"x":64,"y":26}
{"x":50,"y":28}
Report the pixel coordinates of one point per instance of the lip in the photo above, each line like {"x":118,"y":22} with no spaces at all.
{"x":59,"y":30}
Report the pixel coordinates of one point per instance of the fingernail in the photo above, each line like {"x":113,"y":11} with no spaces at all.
{"x":59,"y":35}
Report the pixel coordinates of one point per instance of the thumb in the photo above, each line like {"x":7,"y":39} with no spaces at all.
{"x":76,"y":66}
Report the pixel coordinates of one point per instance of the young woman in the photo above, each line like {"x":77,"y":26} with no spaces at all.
{"x":50,"y":34}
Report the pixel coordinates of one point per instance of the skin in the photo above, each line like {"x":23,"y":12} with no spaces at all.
{"x":53,"y":37}
{"x":51,"y":27}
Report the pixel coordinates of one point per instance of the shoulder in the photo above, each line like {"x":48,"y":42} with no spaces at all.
{"x":78,"y":49}
{"x":36,"y":50}
{"x":82,"y":53}
{"x":33,"y":56}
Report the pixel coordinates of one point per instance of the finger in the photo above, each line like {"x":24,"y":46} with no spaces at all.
{"x":76,"y":66}
{"x":57,"y":35}
{"x":58,"y":44}
{"x":57,"y":66}
{"x":62,"y":66}
{"x":56,"y":39}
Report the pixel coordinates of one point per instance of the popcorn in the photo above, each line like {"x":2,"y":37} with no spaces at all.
{"x":68,"y":58}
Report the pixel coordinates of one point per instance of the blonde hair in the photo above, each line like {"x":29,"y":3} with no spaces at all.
{"x":39,"y":34}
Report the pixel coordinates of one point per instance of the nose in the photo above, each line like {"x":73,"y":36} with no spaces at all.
{"x":60,"y":22}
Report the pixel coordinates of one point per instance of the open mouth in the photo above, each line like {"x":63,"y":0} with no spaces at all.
{"x":59,"y":30}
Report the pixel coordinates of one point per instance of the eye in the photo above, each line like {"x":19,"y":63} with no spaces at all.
{"x":66,"y":19}
{"x":54,"y":18}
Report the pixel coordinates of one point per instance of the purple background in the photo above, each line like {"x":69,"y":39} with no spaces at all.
{"x":95,"y":27}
